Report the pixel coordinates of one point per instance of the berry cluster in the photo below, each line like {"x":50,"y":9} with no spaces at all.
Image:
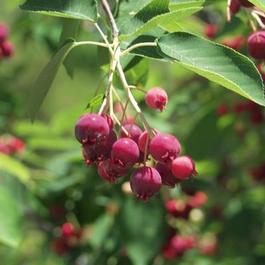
{"x":10,"y":145}
{"x":153,"y":156}
{"x":68,"y":237}
{"x":254,"y":110}
{"x":6,"y":47}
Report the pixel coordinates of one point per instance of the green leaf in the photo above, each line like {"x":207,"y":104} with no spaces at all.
{"x":10,"y":227}
{"x":215,"y":62}
{"x":96,"y":101}
{"x":259,"y":3}
{"x":14,"y":168}
{"x":144,"y":235}
{"x":45,"y":79}
{"x":76,"y":9}
{"x":176,"y":4}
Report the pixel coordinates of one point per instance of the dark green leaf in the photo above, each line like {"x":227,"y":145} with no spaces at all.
{"x":77,"y":9}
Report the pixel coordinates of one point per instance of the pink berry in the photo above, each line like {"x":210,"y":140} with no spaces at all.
{"x":7,"y":49}
{"x":144,"y":141}
{"x":110,"y":171}
{"x":156,"y":98}
{"x":99,"y":151}
{"x":167,"y":177}
{"x":183,"y":167}
{"x":133,"y":130}
{"x":210,"y":31}
{"x":164,"y":147}
{"x":145,"y":182}
{"x":91,"y":128}
{"x":67,"y":230}
{"x":3,"y":32}
{"x":125,"y":152}
{"x":256,"y":45}
{"x":235,"y":6}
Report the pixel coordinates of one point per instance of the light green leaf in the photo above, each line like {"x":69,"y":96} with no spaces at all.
{"x":176,"y":4}
{"x":259,"y":3}
{"x":10,"y":227}
{"x":77,"y":9}
{"x":15,"y":168}
{"x":215,"y":62}
{"x":45,"y":79}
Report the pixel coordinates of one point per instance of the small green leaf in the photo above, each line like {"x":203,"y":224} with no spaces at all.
{"x":76,"y":9}
{"x":96,"y":101}
{"x":45,"y":79}
{"x":10,"y":227}
{"x":215,"y":62}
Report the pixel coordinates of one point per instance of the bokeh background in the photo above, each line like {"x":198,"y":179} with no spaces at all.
{"x":44,"y":183}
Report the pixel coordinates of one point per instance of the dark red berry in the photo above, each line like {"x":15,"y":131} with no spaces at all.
{"x":168,"y":178}
{"x":7,"y":48}
{"x":3,"y":32}
{"x":245,"y":3}
{"x":222,"y":110}
{"x":125,"y":152}
{"x":156,"y":98}
{"x":99,"y":151}
{"x":60,"y":246}
{"x":235,"y":6}
{"x":110,"y":171}
{"x":164,"y":147}
{"x":210,"y":30}
{"x":256,"y":45}
{"x":91,"y":128}
{"x":133,"y":130}
{"x":145,"y":182}
{"x":183,"y":167}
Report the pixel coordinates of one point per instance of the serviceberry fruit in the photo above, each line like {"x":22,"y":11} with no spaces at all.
{"x":235,"y":6}
{"x":256,"y":45}
{"x":3,"y":32}
{"x":210,"y":30}
{"x":183,"y":167}
{"x":91,"y":128}
{"x":7,"y":48}
{"x":125,"y":152}
{"x":145,"y":182}
{"x":133,"y":130}
{"x":167,"y":177}
{"x":164,"y":147}
{"x":156,"y":98}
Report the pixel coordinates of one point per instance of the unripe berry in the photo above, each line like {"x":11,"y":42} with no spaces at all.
{"x":164,"y":147}
{"x":168,"y":178}
{"x":133,"y":130}
{"x":3,"y":32}
{"x":235,"y":6}
{"x":256,"y":45}
{"x":110,"y":171}
{"x":245,"y":3}
{"x":145,"y":182}
{"x":183,"y":167}
{"x":143,"y":142}
{"x":156,"y":98}
{"x":125,"y":152}
{"x":91,"y":128}
{"x":7,"y":48}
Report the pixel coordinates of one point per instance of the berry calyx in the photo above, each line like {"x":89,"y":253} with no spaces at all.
{"x":91,"y":128}
{"x":145,"y":182}
{"x":256,"y":45}
{"x":167,"y":177}
{"x":125,"y":152}
{"x":133,"y":130}
{"x":183,"y":167}
{"x":164,"y":147}
{"x":156,"y":98}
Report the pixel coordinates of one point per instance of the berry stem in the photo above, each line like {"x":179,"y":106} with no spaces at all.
{"x":138,"y":45}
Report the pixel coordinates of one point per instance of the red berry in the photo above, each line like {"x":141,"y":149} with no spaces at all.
{"x":60,"y":246}
{"x":178,"y":208}
{"x":91,"y":128}
{"x":156,"y":98}
{"x":67,"y":230}
{"x":256,"y":45}
{"x":210,"y":30}
{"x":110,"y":171}
{"x":133,"y":130}
{"x":125,"y":152}
{"x":235,"y":43}
{"x":222,"y":110}
{"x":99,"y":151}
{"x":246,"y":3}
{"x":145,"y":182}
{"x":183,"y":167}
{"x":164,"y":147}
{"x":257,"y":117}
{"x":235,"y":6}
{"x":3,"y":32}
{"x":144,"y":141}
{"x":7,"y":49}
{"x":198,"y":199}
{"x":129,"y":120}
{"x":16,"y":145}
{"x":168,"y":178}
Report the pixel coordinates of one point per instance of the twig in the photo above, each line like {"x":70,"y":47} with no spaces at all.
{"x":138,"y":45}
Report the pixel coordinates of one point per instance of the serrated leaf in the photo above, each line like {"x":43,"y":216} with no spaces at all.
{"x":215,"y":62}
{"x":142,"y":236}
{"x":45,"y":79}
{"x":10,"y":227}
{"x":75,"y":9}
